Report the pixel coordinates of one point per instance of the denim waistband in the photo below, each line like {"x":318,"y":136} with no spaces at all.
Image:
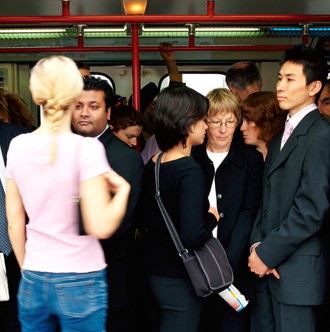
{"x":57,"y":277}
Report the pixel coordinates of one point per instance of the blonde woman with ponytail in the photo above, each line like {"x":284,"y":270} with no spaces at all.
{"x":63,"y":273}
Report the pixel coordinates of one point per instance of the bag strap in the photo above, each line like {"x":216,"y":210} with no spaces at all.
{"x":183,"y":253}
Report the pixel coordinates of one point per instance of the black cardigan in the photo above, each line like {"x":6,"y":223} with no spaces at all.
{"x":238,"y":187}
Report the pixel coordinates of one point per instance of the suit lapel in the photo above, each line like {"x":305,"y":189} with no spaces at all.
{"x":280,"y":156}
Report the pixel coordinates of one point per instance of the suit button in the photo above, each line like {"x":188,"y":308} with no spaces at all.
{"x":264,"y":214}
{"x":221,"y":214}
{"x":219,"y":196}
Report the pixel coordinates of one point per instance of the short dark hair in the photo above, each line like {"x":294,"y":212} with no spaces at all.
{"x":97,"y":84}
{"x":124,"y":116}
{"x":314,"y":63}
{"x":82,"y":65}
{"x":243,"y":74}
{"x":177,"y":109}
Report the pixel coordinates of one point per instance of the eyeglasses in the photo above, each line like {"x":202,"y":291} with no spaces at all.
{"x":218,"y":124}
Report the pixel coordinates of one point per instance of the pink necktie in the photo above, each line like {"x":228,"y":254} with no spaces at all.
{"x":288,"y":129}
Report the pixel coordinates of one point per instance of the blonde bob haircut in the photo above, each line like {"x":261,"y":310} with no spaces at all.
{"x":55,"y":82}
{"x":222,"y":101}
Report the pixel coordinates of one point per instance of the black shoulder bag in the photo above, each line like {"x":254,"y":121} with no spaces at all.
{"x":207,"y":266}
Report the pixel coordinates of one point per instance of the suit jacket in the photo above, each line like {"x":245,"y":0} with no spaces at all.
{"x":238,"y":182}
{"x":291,"y":222}
{"x":8,"y":310}
{"x":120,"y":248}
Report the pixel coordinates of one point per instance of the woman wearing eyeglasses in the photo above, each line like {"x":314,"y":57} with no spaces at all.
{"x":233,"y":181}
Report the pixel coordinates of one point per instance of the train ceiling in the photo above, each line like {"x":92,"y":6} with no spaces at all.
{"x":99,"y":30}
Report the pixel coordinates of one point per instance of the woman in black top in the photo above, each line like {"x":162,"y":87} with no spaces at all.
{"x":179,"y":119}
{"x":233,"y":181}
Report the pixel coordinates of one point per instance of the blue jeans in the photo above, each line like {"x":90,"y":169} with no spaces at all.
{"x":78,"y":301}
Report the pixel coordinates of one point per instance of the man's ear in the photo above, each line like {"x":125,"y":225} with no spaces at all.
{"x":109,"y":113}
{"x":315,"y":87}
{"x":234,"y":91}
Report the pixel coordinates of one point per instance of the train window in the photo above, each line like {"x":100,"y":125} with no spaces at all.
{"x":105,"y":77}
{"x":201,"y":82}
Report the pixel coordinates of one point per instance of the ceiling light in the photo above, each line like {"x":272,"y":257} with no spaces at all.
{"x":39,"y":30}
{"x":226,"y":29}
{"x":198,"y":29}
{"x":135,"y":7}
{"x":109,"y":29}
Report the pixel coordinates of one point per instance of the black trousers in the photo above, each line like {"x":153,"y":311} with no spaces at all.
{"x":8,"y":309}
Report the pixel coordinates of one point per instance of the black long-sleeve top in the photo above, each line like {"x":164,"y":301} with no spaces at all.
{"x":183,"y":194}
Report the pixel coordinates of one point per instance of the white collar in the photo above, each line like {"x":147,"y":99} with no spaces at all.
{"x":297,"y":117}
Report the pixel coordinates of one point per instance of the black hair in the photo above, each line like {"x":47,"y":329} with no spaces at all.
{"x":82,"y":65}
{"x":97,"y":84}
{"x":177,"y":109}
{"x":314,"y":63}
{"x":124,"y":116}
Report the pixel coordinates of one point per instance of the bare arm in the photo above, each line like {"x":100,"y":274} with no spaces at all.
{"x":16,"y":220}
{"x":169,"y":59}
{"x":103,"y":212}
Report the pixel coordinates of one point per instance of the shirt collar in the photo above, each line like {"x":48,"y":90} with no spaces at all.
{"x":107,"y":126}
{"x":297,"y":117}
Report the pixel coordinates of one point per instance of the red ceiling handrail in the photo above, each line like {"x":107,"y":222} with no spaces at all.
{"x":73,"y":49}
{"x":237,"y":19}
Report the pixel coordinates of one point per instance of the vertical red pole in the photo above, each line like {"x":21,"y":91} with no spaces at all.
{"x":136,"y":71}
{"x":210,"y":7}
{"x":65,"y":8}
{"x":305,"y":39}
{"x":81,"y":35}
{"x":136,"y":67}
{"x":191,"y":40}
{"x":80,"y":41}
{"x":305,"y":34}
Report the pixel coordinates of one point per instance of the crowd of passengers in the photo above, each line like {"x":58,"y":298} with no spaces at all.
{"x":247,"y":166}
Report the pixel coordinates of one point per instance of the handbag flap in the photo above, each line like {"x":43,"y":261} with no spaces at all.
{"x":214,"y":263}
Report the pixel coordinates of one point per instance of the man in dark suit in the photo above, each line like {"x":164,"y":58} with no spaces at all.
{"x":8,"y":309}
{"x":290,"y":250}
{"x":90,"y":118}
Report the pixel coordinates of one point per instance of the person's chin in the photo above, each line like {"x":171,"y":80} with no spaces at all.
{"x":327,"y":117}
